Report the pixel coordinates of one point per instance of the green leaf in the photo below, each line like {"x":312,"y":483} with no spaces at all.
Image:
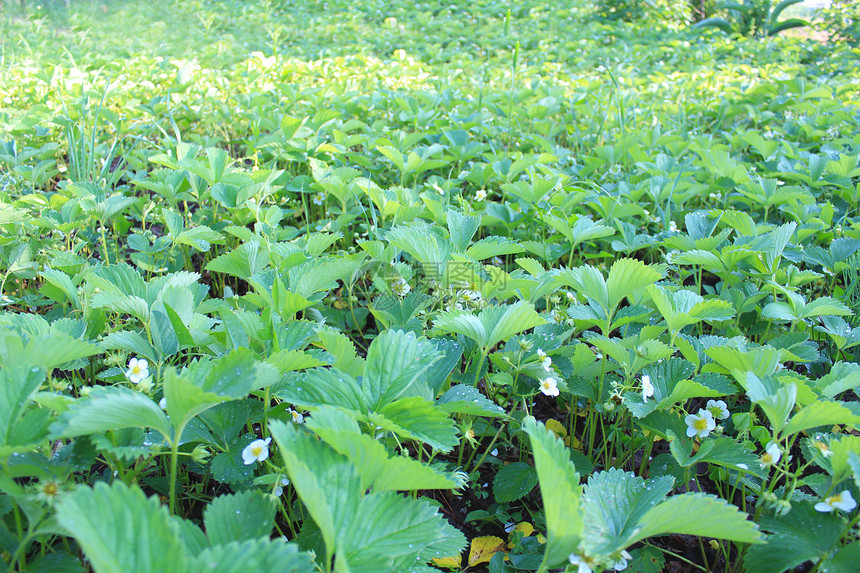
{"x":55,"y":563}
{"x":720,"y":23}
{"x":492,"y":325}
{"x":724,"y":452}
{"x":560,"y":491}
{"x":614,"y":503}
{"x":820,"y":413}
{"x":388,"y":529}
{"x":121,"y":531}
{"x":326,"y":482}
{"x":465,"y":399}
{"x":208,"y":383}
{"x":110,"y":408}
{"x":418,"y":419}
{"x":790,"y":542}
{"x":17,"y":388}
{"x":489,"y":247}
{"x":243,"y":516}
{"x":626,"y":277}
{"x":229,"y":467}
{"x":291,"y":360}
{"x":130,"y":341}
{"x":724,"y":521}
{"x":377,"y":469}
{"x":324,"y":386}
{"x":844,"y":560}
{"x":396,"y":362}
{"x":461,"y":229}
{"x":62,"y":281}
{"x":514,"y":481}
{"x":244,"y":262}
{"x":252,"y":555}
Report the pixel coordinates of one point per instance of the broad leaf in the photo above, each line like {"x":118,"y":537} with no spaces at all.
{"x":243,"y":516}
{"x":791,"y":543}
{"x":253,"y":555}
{"x":121,"y":530}
{"x":560,"y":491}
{"x":111,"y":408}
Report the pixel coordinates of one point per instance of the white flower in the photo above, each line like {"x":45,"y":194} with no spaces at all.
{"x":547,"y":364}
{"x":480,"y":195}
{"x":771,"y":454}
{"x":256,"y":451}
{"x":571,"y":297}
{"x":822,"y":447}
{"x":541,"y":354}
{"x":162,"y":403}
{"x":298,"y":417}
{"x":138,"y":369}
{"x":279,"y":488}
{"x":700,"y":424}
{"x":647,"y":388}
{"x":621,"y":564}
{"x":319,"y":198}
{"x":584,"y":563}
{"x":549,"y":386}
{"x":718,"y":409}
{"x":841,"y":500}
{"x":400,"y":287}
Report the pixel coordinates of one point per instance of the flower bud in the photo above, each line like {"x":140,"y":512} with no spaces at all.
{"x":200,"y":454}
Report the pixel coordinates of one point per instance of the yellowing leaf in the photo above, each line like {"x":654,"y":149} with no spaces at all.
{"x":524,"y":527}
{"x":557,"y":428}
{"x":447,"y":562}
{"x":483,"y":549}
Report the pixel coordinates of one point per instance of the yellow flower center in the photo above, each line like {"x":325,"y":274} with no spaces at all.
{"x":136,"y":370}
{"x":834,"y":499}
{"x":766,"y":458}
{"x":701,"y":424}
{"x":257,"y":450}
